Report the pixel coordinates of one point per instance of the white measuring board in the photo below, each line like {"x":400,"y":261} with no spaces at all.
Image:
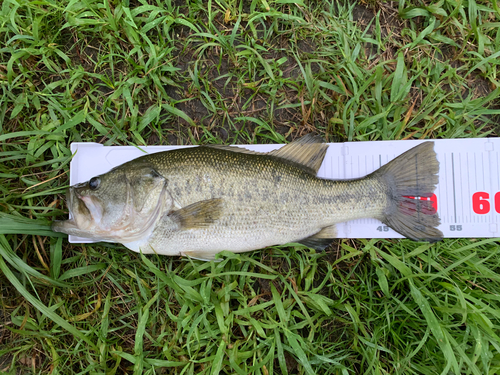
{"x":467,"y":196}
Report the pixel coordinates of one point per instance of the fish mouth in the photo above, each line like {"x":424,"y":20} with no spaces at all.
{"x":80,"y":217}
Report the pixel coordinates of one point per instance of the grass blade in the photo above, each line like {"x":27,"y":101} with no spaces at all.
{"x":41,"y":307}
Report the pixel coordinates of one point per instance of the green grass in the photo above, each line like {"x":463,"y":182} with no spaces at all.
{"x":163,"y":72}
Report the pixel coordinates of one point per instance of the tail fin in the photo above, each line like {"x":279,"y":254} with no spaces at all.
{"x":412,"y":174}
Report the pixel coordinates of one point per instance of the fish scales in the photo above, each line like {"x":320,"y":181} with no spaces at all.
{"x":200,"y":201}
{"x":266,"y":201}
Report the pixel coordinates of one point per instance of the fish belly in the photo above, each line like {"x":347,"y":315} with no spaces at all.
{"x":245,"y":229}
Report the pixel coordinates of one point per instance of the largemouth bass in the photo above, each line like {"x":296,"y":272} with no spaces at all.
{"x":199,"y":201}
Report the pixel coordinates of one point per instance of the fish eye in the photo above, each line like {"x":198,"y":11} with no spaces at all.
{"x":94,"y":183}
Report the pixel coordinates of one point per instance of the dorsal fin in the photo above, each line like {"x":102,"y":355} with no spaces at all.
{"x":240,"y":150}
{"x":308,"y":151}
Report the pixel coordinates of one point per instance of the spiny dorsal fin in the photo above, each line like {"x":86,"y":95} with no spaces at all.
{"x":308,"y":151}
{"x":198,"y":215}
{"x":241,"y":150}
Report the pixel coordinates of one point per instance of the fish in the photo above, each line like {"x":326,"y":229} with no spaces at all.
{"x":202,"y":200}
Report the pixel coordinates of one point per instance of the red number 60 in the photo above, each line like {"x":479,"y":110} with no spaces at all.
{"x":480,"y":204}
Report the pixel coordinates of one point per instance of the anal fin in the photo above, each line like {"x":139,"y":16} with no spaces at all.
{"x":200,"y":255}
{"x":322,"y":239}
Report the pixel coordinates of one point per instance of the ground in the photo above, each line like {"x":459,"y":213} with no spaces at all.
{"x":174,"y":72}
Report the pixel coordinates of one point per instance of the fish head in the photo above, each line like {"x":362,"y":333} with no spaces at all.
{"x":119,"y":206}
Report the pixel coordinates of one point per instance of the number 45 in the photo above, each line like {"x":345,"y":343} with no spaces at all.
{"x":383,"y":228}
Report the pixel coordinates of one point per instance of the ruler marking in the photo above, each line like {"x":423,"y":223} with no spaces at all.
{"x":467,"y":208}
{"x":489,"y":164}
{"x":480,"y":219}
{"x":462,"y":213}
{"x":440,"y":206}
{"x":461,"y":190}
{"x":453,"y":179}
{"x":448,"y":204}
{"x":486,"y":217}
{"x":489,"y":216}
{"x":475,"y":172}
{"x":344,"y":162}
{"x":446,"y":185}
{"x":457,"y":187}
{"x":482,"y":167}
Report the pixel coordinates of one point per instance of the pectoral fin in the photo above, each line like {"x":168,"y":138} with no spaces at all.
{"x":198,"y":215}
{"x":322,"y":239}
